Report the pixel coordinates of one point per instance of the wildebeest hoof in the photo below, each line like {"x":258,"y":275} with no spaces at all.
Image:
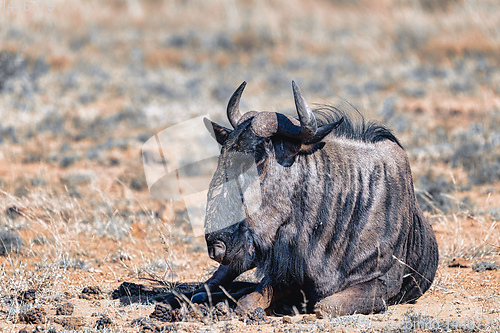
{"x":166,"y":298}
{"x":159,"y":298}
{"x":200,"y":298}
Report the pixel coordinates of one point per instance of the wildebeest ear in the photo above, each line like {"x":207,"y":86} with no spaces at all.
{"x":285,"y":150}
{"x":220,"y":133}
{"x":323,"y":131}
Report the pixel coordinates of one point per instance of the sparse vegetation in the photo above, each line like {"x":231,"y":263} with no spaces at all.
{"x":82,"y":88}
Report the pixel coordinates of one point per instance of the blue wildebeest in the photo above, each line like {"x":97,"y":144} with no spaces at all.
{"x":336,"y":217}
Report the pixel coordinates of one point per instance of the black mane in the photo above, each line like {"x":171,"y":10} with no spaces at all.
{"x":361,"y":130}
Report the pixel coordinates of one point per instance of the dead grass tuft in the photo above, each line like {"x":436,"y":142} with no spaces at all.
{"x":59,"y":62}
{"x":164,"y":58}
{"x":449,"y":45}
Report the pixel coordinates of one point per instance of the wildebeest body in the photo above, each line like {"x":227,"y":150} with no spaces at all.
{"x":338,"y":218}
{"x":345,"y":221}
{"x":349,"y":218}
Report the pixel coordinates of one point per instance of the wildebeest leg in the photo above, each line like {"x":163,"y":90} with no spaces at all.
{"x":363,"y":298}
{"x":223,"y":276}
{"x":235,"y":292}
{"x":263,"y":297}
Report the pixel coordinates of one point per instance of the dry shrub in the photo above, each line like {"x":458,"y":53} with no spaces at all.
{"x":223,"y":59}
{"x":163,"y":58}
{"x":59,"y":62}
{"x":278,"y":55}
{"x":247,"y":41}
{"x":443,"y":46}
{"x":438,"y":5}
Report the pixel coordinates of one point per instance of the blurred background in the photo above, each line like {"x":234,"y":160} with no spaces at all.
{"x":87,"y":83}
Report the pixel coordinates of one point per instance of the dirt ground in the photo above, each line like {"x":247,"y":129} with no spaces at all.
{"x":464,"y":295}
{"x":84,"y":85}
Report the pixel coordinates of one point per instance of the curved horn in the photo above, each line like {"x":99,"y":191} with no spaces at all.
{"x":308,"y":125}
{"x":233,"y":107}
{"x":266,"y":124}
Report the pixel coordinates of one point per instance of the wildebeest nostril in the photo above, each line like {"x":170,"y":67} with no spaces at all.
{"x":217,"y":251}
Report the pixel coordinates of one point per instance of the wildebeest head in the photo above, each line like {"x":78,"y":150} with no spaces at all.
{"x":259,"y":144}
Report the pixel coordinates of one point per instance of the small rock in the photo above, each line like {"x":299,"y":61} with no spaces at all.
{"x":166,"y":314}
{"x":92,"y":292}
{"x":70,"y":323}
{"x":65,"y":309}
{"x":459,"y":262}
{"x":27,"y":296}
{"x":257,"y":316}
{"x":287,"y":320}
{"x":33,"y":316}
{"x":95,"y":290}
{"x":162,"y":313}
{"x":103,"y":322}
